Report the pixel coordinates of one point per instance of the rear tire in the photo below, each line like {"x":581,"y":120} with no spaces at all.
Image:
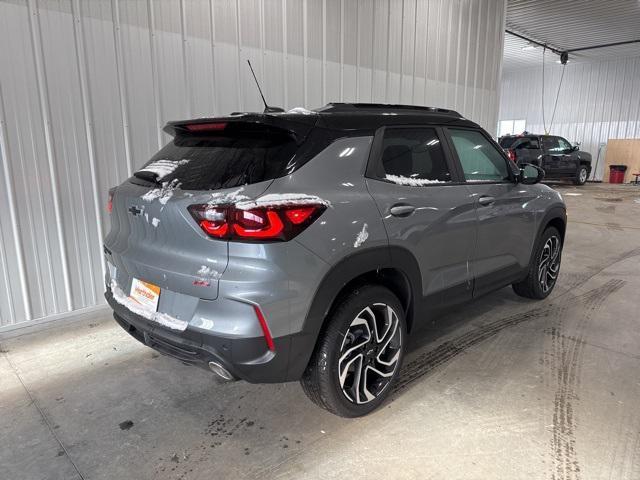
{"x":543,"y":268}
{"x":581,"y":175}
{"x":359,"y":353}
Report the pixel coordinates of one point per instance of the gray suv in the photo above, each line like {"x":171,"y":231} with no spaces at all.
{"x":273,"y":247}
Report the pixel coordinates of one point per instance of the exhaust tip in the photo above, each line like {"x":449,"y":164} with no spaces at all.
{"x":219,"y":370}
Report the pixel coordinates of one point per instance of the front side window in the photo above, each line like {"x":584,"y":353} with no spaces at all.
{"x":551,"y":144}
{"x":563,"y":144}
{"x":413,"y":156}
{"x":481,"y":161}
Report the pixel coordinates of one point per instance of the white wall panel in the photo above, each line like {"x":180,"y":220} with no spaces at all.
{"x":597,"y":101}
{"x":86,"y":85}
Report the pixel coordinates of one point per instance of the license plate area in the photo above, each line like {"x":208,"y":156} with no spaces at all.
{"x":145,"y":293}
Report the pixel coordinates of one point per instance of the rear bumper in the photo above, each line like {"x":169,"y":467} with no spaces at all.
{"x":245,"y":358}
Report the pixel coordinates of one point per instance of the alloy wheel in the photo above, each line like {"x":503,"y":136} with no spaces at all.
{"x":549,"y":265}
{"x":370,"y":353}
{"x":583,"y":175}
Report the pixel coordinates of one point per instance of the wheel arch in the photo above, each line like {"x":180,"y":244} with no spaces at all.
{"x":393,"y":267}
{"x":556,"y":217}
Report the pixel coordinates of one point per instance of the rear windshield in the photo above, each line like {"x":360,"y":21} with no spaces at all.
{"x":506,"y":142}
{"x":221,"y":160}
{"x":519,"y":142}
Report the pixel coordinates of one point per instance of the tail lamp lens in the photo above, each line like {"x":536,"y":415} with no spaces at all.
{"x":110,"y":202}
{"x":267,"y":224}
{"x":512,"y":155}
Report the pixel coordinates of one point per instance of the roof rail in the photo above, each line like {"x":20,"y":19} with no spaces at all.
{"x":353,"y":107}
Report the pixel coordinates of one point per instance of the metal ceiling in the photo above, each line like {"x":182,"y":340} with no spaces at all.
{"x":569,"y":24}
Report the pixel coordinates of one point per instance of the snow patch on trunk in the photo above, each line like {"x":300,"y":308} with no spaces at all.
{"x":162,"y":194}
{"x":282,"y":199}
{"x":163,"y":167}
{"x":145,"y":312}
{"x":155,"y":222}
{"x":411,"y":182}
{"x":362,"y":236}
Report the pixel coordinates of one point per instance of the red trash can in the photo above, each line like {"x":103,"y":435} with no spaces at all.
{"x":616,"y":173}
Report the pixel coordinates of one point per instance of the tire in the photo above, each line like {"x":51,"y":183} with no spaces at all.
{"x":581,"y":175}
{"x":548,"y":251}
{"x":343,"y":348}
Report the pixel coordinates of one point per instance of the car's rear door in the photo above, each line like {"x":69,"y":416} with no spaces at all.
{"x":505,"y":222}
{"x":425,"y":208}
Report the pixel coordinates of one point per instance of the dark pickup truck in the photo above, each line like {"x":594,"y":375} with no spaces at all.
{"x":557,"y":157}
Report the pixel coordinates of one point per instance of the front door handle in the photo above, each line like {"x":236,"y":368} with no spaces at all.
{"x":486,"y":200}
{"x":402,"y":210}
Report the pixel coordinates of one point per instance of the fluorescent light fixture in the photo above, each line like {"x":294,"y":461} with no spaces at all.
{"x":529,"y":46}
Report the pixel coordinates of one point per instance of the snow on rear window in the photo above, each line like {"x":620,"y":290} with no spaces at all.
{"x":224,"y":160}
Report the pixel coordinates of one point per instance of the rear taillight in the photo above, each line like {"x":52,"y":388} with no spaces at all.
{"x":280,"y":223}
{"x":512,"y":155}
{"x":110,"y":201}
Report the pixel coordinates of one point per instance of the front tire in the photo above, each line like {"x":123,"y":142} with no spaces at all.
{"x":543,"y":268}
{"x":359,"y":353}
{"x":581,"y":175}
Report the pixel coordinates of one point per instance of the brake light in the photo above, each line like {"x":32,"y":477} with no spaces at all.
{"x":205,"y":127}
{"x":299,"y":215}
{"x":110,"y":202}
{"x":512,"y":155}
{"x":280,"y":223}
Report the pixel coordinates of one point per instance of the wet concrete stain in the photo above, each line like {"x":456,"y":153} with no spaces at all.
{"x":219,"y":432}
{"x":126,"y":425}
{"x":609,"y":199}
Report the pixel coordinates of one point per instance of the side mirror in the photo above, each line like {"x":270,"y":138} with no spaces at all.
{"x":575,"y":148}
{"x":530,"y":174}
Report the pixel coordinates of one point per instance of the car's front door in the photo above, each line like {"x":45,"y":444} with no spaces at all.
{"x":426,"y":208}
{"x":505,"y":210}
{"x":570,"y":160}
{"x":553,"y":161}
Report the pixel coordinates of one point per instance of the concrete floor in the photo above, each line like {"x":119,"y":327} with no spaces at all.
{"x":500,"y":388}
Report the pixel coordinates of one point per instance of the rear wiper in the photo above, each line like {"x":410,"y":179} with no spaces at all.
{"x":148,"y":176}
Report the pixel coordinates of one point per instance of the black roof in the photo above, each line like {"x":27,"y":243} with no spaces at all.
{"x":342,"y":116}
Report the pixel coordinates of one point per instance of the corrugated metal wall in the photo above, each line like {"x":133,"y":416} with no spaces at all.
{"x":597,"y":101}
{"x":86,"y":85}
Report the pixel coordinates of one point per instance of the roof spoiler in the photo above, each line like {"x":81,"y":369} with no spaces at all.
{"x":296,"y":125}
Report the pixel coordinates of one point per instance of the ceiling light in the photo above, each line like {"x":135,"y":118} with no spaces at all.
{"x":560,"y":61}
{"x":529,"y":46}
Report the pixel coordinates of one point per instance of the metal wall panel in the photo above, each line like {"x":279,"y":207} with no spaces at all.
{"x":86,"y":85}
{"x":597,"y":101}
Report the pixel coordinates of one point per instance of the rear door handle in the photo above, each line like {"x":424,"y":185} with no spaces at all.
{"x":486,"y":200}
{"x":402,"y":210}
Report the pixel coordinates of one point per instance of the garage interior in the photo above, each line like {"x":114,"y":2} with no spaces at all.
{"x":502,"y":387}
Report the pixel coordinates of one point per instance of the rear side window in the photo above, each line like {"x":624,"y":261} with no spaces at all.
{"x":481,"y":161}
{"x":413,"y":156}
{"x":223,"y":160}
